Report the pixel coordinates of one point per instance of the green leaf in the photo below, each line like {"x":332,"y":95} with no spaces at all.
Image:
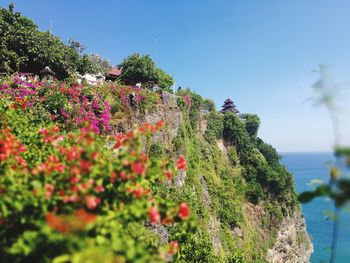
{"x":306,"y":197}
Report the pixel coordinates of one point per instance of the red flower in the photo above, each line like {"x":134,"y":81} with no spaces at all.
{"x":74,"y":171}
{"x":173,"y":247}
{"x":153,"y":215}
{"x":84,"y":216}
{"x":73,"y":154}
{"x":74,"y":180}
{"x":129,"y":134}
{"x":49,"y":190}
{"x":56,"y":223}
{"x":123,"y":175}
{"x":92,"y":202}
{"x":138,"y":168}
{"x":184,"y":211}
{"x":159,"y":124}
{"x":99,"y":188}
{"x":168,"y":175}
{"x":113,"y":177}
{"x":85,"y":166}
{"x":181,"y":164}
{"x":167,"y":220}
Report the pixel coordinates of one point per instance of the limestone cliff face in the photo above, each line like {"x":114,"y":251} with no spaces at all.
{"x":167,"y":111}
{"x":293,"y":243}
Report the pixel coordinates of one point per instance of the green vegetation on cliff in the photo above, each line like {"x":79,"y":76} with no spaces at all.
{"x":58,"y":167}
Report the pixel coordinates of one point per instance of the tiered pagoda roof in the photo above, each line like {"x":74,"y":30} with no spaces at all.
{"x":229,"y":106}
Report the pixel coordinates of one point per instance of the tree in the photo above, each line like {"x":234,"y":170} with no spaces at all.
{"x":252,"y":123}
{"x":24,"y":48}
{"x":138,"y":68}
{"x":234,"y":133}
{"x":164,"y":79}
{"x":94,"y":64}
{"x":141,"y":68}
{"x":270,"y":153}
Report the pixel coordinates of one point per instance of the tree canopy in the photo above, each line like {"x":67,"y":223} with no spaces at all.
{"x":141,"y":68}
{"x":252,"y":123}
{"x":26,"y":49}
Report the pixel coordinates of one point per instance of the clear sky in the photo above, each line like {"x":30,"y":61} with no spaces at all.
{"x":260,"y":53}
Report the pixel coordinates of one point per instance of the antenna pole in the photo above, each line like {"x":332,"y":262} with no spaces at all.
{"x":51,"y":26}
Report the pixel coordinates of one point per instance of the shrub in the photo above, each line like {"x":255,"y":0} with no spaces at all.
{"x":254,"y":192}
{"x":65,"y":195}
{"x":252,"y":123}
{"x":234,"y":132}
{"x":215,"y":127}
{"x":232,"y":156}
{"x":157,"y":150}
{"x":270,"y":153}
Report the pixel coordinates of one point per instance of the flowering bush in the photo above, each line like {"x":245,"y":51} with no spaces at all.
{"x":68,"y":194}
{"x":68,"y":105}
{"x":83,"y":189}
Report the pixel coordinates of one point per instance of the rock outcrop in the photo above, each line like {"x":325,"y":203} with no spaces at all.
{"x":293,"y":244}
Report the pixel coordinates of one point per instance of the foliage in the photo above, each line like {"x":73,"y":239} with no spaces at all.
{"x":252,"y":123}
{"x":270,"y":153}
{"x":70,"y":105}
{"x":337,"y":189}
{"x":157,"y":150}
{"x":215,"y":127}
{"x":232,"y":156}
{"x":94,"y":63}
{"x":254,"y":192}
{"x":163,"y":79}
{"x":81,"y":196}
{"x":266,"y":177}
{"x":235,"y":133}
{"x":24,"y":48}
{"x":138,"y":68}
{"x":141,"y":68}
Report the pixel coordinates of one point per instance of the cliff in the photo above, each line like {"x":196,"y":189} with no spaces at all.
{"x":293,"y":243}
{"x":240,"y":219}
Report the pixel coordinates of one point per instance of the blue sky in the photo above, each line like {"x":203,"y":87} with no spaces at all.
{"x":260,"y":53}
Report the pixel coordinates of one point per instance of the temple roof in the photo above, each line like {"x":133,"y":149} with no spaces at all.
{"x":47,"y":71}
{"x":115,"y":71}
{"x":229,"y":106}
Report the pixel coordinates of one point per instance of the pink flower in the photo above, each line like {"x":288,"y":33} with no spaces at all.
{"x":92,"y":201}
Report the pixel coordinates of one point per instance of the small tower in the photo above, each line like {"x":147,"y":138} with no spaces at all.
{"x":229,"y":106}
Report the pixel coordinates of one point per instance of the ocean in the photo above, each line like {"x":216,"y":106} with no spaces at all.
{"x":306,"y":167}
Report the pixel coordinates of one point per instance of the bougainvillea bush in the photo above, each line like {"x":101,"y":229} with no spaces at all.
{"x":69,"y":194}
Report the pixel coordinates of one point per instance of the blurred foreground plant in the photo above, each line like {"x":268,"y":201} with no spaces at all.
{"x":338,"y":187}
{"x":85,"y":200}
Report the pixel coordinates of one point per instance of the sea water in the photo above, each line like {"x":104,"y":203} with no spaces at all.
{"x":307,"y":167}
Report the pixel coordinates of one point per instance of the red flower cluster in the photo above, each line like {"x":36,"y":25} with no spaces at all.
{"x":173,"y":247}
{"x":149,"y":128}
{"x":153,"y":215}
{"x":66,"y":224}
{"x":184,"y":211}
{"x":10,"y":147}
{"x":181,"y":164}
{"x":19,"y":102}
